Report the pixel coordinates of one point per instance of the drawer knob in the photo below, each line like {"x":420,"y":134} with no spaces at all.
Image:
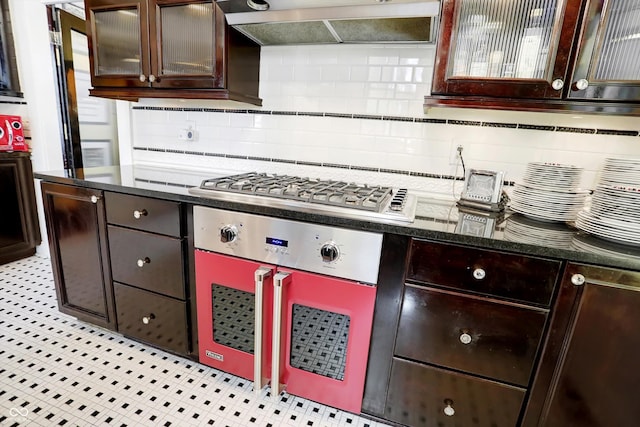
{"x":465,"y":338}
{"x":557,"y":84}
{"x":448,"y":410}
{"x":142,"y":261}
{"x":578,"y":279}
{"x":479,"y":274}
{"x":148,"y":318}
{"x":137,"y":214}
{"x":94,"y":199}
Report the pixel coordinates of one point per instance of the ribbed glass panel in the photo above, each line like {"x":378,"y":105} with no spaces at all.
{"x":187,"y":39}
{"x":118,"y":41}
{"x":503,"y":38}
{"x":619,"y":57}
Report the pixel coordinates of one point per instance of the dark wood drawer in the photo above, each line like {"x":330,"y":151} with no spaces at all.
{"x":419,"y":394}
{"x":515,"y":277}
{"x":146,"y":260}
{"x":144,"y":213}
{"x":471,"y":334}
{"x":152,"y":318}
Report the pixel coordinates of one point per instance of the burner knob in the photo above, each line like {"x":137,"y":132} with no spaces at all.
{"x":228,"y":234}
{"x":329,"y":252}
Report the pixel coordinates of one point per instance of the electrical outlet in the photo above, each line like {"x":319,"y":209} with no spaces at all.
{"x":456,"y":153}
{"x":187,"y":135}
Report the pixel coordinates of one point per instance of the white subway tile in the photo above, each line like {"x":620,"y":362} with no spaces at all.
{"x":307,"y":73}
{"x":332,"y":73}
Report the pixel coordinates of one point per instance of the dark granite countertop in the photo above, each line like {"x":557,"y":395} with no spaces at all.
{"x":439,"y":220}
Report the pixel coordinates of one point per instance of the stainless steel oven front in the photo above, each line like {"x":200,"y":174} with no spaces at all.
{"x":286,"y":302}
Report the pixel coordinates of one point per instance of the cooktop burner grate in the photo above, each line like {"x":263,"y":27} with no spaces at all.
{"x":327,"y":192}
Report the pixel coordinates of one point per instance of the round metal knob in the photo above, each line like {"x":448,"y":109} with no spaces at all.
{"x":578,"y":279}
{"x":479,"y":274}
{"x":448,"y":410}
{"x":329,"y":252}
{"x":152,"y":78}
{"x":582,"y":84}
{"x":137,"y":214}
{"x":557,"y":84}
{"x":143,"y":78}
{"x":228,"y":234}
{"x":141,"y":262}
{"x":94,"y":199}
{"x":148,"y":318}
{"x":465,"y":338}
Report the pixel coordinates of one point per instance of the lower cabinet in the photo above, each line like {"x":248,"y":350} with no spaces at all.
{"x":152,"y":318}
{"x":119,"y":263}
{"x":77,"y":233}
{"x":589,"y":375}
{"x":422,"y":395}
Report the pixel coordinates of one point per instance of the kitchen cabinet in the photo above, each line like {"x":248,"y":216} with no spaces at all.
{"x":169,"y":48}
{"x":574,"y":55}
{"x":588,"y":375}
{"x":19,"y":229}
{"x":469,"y":331}
{"x":146,"y":243}
{"x":76,"y":228}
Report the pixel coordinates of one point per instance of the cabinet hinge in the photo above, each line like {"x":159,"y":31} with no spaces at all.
{"x":55,"y":37}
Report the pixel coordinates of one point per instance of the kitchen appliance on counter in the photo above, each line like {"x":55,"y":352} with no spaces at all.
{"x":336,"y":198}
{"x":483,"y":191}
{"x":286,"y":302}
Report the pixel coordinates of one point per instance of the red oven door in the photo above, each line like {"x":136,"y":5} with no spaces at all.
{"x":232,"y":296}
{"x":321,"y":334}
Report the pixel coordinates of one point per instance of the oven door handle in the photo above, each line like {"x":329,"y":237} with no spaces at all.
{"x":259,"y":380}
{"x":279,"y":281}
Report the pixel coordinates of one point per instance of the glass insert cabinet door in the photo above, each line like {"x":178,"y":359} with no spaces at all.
{"x":608,"y":64}
{"x":510,"y":48}
{"x":118,"y":39}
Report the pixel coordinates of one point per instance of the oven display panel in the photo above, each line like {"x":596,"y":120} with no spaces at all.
{"x":277,"y":242}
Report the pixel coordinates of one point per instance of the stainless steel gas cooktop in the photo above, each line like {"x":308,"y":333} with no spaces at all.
{"x":338,"y":198}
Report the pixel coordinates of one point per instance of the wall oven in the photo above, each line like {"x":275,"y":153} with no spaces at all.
{"x":286,"y":302}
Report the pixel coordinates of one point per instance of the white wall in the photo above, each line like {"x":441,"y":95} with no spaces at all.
{"x":375,"y":80}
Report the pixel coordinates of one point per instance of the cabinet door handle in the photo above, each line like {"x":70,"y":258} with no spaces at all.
{"x":479,"y":274}
{"x":259,"y":381}
{"x":94,"y":199}
{"x":142,"y":261}
{"x":277,"y":350}
{"x":137,"y":214}
{"x":448,"y":409}
{"x":148,"y":318}
{"x":578,"y":279}
{"x":582,"y":84}
{"x":153,"y":78}
{"x":557,"y":84}
{"x":143,"y":78}
{"x":465,"y":338}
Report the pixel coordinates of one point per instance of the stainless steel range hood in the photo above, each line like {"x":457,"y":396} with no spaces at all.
{"x":285,"y":22}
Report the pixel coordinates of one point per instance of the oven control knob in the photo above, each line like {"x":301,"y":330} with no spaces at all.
{"x":228,"y":234}
{"x":329,"y":252}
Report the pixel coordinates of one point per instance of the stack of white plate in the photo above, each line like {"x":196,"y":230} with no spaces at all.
{"x":519,"y":228}
{"x":598,"y":246}
{"x":615,"y":207}
{"x":549,"y":192}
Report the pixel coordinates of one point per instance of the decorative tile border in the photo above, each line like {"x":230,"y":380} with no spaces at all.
{"x":546,"y":128}
{"x":6,"y":101}
{"x":315,"y":164}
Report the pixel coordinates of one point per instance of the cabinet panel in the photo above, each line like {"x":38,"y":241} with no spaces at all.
{"x":420,"y":394}
{"x":76,"y":229}
{"x":593,"y":352}
{"x":514,"y":277}
{"x":470,"y":334}
{"x":144,"y":213}
{"x":147,"y":261}
{"x":152,"y":318}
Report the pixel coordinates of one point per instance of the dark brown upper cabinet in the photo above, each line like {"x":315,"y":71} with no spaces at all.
{"x":538,"y":55}
{"x":169,"y":49}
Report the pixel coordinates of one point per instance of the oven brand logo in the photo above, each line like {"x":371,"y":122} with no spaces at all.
{"x":213,"y":355}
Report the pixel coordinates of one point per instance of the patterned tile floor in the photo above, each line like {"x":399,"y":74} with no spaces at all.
{"x":56,"y":370}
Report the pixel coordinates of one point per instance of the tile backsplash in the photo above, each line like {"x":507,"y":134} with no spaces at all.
{"x":355,"y":112}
